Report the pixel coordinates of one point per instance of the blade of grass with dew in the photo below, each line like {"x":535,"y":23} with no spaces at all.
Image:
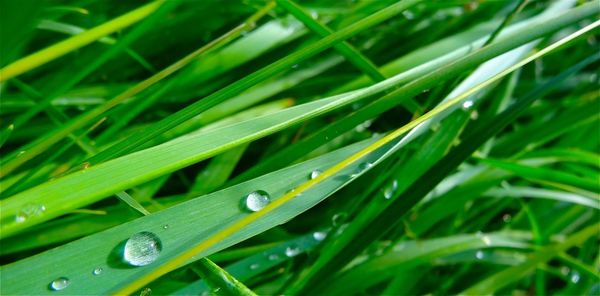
{"x":431,"y":78}
{"x":197,"y":218}
{"x":411,"y":254}
{"x":507,"y":276}
{"x":435,"y":174}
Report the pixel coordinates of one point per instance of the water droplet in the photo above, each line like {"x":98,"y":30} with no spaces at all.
{"x":292,"y":251}
{"x":474,"y":115}
{"x":166,"y":226}
{"x":146,"y":292}
{"x":319,"y":235}
{"x":256,"y":201}
{"x":273,"y":257}
{"x":314,"y":14}
{"x":506,"y":218}
{"x":28,"y":211}
{"x":59,"y":284}
{"x":315,"y":173}
{"x":338,"y":219}
{"x":408,"y":14}
{"x":565,"y":270}
{"x":364,"y":166}
{"x":389,"y":191}
{"x":467,"y":104}
{"x":575,"y":277}
{"x":486,"y":240}
{"x":21,"y":153}
{"x":479,"y":255}
{"x":295,"y":66}
{"x":142,"y":248}
{"x":254,"y":266}
{"x":85,"y":165}
{"x":98,"y":271}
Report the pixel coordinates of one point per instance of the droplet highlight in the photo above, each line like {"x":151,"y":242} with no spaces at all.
{"x":97,"y":271}
{"x":319,"y":235}
{"x":315,"y":174}
{"x":29,"y":211}
{"x":60,"y":283}
{"x":292,"y":251}
{"x":142,"y":248}
{"x":388,"y":191}
{"x":256,"y":201}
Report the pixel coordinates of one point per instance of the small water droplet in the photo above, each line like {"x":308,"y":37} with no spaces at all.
{"x":479,"y":255}
{"x":85,"y":165}
{"x":506,"y":218}
{"x":166,"y":226}
{"x":408,"y":14}
{"x":467,"y":104}
{"x":256,"y":201}
{"x":292,"y":251}
{"x":295,"y":66}
{"x":314,"y":14}
{"x":59,"y":284}
{"x":319,"y":235}
{"x":146,"y":292}
{"x":575,"y":277}
{"x":273,"y":257}
{"x":486,"y":240}
{"x":254,"y":266}
{"x":142,"y":248}
{"x":339,"y":219}
{"x":389,"y":191}
{"x":364,"y":166}
{"x":474,"y":115}
{"x":98,"y":271}
{"x":315,"y":173}
{"x":565,"y":270}
{"x":28,"y":211}
{"x":21,"y":153}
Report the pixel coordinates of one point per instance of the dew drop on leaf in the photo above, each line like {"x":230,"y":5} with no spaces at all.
{"x":388,"y":191}
{"x":315,"y":173}
{"x":98,"y":271}
{"x":319,"y":235}
{"x":142,"y":248}
{"x":256,"y":201}
{"x":59,"y":284}
{"x":292,"y":251}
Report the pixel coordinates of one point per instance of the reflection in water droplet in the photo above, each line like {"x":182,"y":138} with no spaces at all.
{"x":59,"y":283}
{"x":486,"y":240}
{"x":479,"y":255}
{"x":468,"y":104}
{"x":142,"y":248}
{"x":292,"y":251}
{"x":319,"y":235}
{"x":98,"y":271}
{"x":256,"y":201}
{"x":315,"y":173}
{"x":575,"y":277}
{"x":389,"y":191}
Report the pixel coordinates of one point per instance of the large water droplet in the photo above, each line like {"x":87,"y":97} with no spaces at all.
{"x":389,"y":190}
{"x":59,"y":283}
{"x":256,"y":201}
{"x":315,"y":173}
{"x":320,"y":235}
{"x":98,"y":271}
{"x":142,"y":248}
{"x":292,"y":251}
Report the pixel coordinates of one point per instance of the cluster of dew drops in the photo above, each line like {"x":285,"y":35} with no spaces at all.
{"x":144,"y":247}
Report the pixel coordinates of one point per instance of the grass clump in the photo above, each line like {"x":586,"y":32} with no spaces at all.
{"x":299,"y":148}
